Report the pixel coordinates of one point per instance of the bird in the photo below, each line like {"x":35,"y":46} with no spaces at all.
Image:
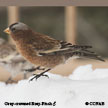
{"x":13,"y":62}
{"x":43,"y":50}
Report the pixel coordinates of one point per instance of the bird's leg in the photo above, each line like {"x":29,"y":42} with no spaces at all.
{"x":36,"y":76}
{"x":10,"y":80}
{"x":34,"y":69}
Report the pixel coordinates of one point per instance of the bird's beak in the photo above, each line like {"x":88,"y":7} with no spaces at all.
{"x":7,"y":31}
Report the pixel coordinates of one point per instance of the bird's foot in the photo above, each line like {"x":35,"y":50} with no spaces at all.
{"x":36,"y":76}
{"x":34,"y":69}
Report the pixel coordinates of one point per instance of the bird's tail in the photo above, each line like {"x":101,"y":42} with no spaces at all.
{"x":84,"y":53}
{"x":87,"y":55}
{"x":68,"y":50}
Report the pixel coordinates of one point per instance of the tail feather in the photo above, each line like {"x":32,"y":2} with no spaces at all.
{"x":81,"y":51}
{"x":69,"y":45}
{"x":68,"y":50}
{"x":89,"y":51}
{"x":81,"y":46}
{"x":88,"y":55}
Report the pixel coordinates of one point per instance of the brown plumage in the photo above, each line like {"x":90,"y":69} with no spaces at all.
{"x":43,"y":50}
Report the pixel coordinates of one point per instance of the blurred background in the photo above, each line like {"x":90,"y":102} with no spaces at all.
{"x":78,"y":25}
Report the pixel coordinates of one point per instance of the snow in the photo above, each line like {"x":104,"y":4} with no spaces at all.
{"x":84,"y":85}
{"x":87,"y":73}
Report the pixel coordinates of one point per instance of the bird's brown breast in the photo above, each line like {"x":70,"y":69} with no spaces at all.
{"x":32,"y":56}
{"x":29,"y":44}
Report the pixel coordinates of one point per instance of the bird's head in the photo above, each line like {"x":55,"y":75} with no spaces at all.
{"x":15,"y":27}
{"x":17,"y":30}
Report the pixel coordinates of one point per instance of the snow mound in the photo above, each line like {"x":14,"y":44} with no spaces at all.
{"x":79,"y":90}
{"x":87,"y":73}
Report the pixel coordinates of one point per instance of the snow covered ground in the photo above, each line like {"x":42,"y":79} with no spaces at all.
{"x":85,"y":88}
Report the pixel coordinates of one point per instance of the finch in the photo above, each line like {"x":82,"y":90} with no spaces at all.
{"x":12,"y":61}
{"x":42,"y":50}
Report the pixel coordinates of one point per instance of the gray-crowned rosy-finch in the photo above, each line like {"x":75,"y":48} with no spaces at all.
{"x":42,"y":50}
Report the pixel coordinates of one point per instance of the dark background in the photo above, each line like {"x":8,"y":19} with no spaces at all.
{"x":92,"y":24}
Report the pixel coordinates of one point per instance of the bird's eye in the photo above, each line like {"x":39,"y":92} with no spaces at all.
{"x":13,"y":29}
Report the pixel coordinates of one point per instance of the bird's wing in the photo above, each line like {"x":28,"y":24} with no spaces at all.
{"x":45,"y":44}
{"x":67,"y":49}
{"x":64,"y":48}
